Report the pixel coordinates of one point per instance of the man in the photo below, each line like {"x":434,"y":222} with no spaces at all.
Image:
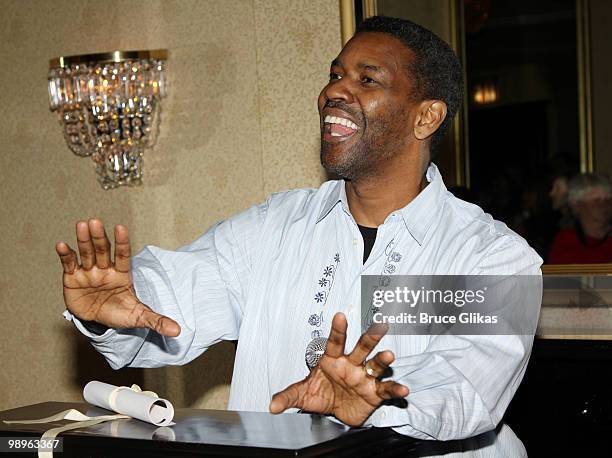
{"x":273,"y":276}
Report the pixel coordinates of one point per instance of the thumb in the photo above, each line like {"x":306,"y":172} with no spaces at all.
{"x":158,"y":323}
{"x":289,"y":397}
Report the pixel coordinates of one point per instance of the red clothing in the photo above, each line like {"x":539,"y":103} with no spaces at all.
{"x":568,"y":249}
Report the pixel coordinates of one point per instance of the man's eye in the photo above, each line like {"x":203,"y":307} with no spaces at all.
{"x":367,"y":80}
{"x":334,"y":76}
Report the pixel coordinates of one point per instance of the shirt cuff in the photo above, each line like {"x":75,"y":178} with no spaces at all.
{"x":86,"y":332}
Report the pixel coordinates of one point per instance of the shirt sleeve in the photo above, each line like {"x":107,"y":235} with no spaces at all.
{"x":203,"y":286}
{"x":461,"y":385}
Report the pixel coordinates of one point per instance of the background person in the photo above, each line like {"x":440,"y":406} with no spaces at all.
{"x":589,"y":241}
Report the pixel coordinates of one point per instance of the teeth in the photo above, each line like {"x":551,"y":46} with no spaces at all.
{"x":342,"y":121}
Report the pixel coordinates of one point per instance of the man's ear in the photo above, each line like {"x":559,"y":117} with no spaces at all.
{"x":431,"y":114}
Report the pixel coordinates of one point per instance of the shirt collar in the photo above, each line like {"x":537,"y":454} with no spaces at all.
{"x":336,"y":195}
{"x":418,"y":215}
{"x":423,"y":210}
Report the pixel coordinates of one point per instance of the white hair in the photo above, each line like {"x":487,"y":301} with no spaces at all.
{"x":582,"y":184}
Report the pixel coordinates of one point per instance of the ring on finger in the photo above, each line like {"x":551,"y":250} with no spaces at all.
{"x":369,"y":370}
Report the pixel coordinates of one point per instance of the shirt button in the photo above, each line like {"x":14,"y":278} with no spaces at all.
{"x":350,"y":308}
{"x":355,"y":241}
{"x":383,"y":415}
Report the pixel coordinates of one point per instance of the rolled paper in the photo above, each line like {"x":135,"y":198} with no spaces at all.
{"x":127,"y":401}
{"x":145,"y":406}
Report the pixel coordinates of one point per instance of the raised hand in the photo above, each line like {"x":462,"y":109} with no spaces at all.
{"x":101,"y":290}
{"x":341,"y":385}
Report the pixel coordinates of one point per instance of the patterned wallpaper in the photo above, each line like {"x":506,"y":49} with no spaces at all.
{"x":239,"y":123}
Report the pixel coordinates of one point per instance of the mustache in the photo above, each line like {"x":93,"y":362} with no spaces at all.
{"x":344,"y":107}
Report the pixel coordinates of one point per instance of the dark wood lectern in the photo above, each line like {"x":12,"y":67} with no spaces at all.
{"x":209,"y":433}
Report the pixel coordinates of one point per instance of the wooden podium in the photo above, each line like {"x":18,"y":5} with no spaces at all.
{"x":209,"y":433}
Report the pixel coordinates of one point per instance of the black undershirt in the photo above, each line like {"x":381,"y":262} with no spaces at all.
{"x":369,"y":237}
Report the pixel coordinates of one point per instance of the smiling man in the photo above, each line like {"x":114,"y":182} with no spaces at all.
{"x":285,"y":274}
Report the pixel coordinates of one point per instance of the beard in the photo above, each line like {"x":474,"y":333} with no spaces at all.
{"x":362,"y":157}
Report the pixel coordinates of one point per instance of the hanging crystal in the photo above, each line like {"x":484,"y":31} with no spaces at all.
{"x":109,"y":109}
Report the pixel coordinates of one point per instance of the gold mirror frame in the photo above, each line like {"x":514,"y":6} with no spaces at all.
{"x":577,"y":270}
{"x":460,"y":123}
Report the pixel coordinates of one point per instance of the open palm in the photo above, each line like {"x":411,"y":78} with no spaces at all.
{"x":340,"y":385}
{"x":101,"y":290}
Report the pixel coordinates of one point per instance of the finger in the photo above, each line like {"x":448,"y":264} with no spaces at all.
{"x":380,"y":363}
{"x":86,"y":248}
{"x":122,"y":249}
{"x":391,"y":390}
{"x":100,"y":242}
{"x":366,"y":343}
{"x":289,"y":397}
{"x":337,"y":336}
{"x":67,"y":256}
{"x":159,"y":323}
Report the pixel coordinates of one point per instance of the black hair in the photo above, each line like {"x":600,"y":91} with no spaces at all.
{"x":435,"y":69}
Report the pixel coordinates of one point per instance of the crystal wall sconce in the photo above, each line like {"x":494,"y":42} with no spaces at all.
{"x":109,"y":108}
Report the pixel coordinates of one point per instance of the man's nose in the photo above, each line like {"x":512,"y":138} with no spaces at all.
{"x":339,"y":90}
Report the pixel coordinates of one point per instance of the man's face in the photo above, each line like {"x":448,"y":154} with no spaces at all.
{"x":366,"y":109}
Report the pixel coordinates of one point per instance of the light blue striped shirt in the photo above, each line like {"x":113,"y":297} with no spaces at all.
{"x":259,"y":277}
